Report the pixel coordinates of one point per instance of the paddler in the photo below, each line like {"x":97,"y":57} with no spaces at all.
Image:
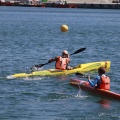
{"x":102,"y":81}
{"x":62,"y":61}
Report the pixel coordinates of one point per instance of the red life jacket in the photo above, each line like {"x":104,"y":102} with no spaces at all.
{"x":105,"y":83}
{"x":62,"y":63}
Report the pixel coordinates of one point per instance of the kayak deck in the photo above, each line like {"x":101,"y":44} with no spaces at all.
{"x":86,"y":86}
{"x":55,"y":72}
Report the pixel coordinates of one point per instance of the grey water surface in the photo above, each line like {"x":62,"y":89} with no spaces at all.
{"x":30,"y":36}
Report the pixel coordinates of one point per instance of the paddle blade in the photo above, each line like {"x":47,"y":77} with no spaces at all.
{"x":80,"y":75}
{"x":78,"y":51}
{"x":37,"y":67}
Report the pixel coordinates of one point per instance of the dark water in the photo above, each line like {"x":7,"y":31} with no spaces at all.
{"x":30,"y":36}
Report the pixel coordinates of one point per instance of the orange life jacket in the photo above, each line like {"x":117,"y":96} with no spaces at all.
{"x":62,"y":63}
{"x":105,"y":83}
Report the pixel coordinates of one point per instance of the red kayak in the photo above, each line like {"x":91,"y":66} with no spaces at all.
{"x":86,"y":86}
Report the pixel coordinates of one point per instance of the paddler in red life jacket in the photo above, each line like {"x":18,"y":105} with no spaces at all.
{"x":102,"y":81}
{"x":62,"y":61}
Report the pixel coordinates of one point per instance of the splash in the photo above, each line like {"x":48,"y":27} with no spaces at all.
{"x":79,"y":95}
{"x":35,"y":78}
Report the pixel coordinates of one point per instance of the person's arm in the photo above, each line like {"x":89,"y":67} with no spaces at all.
{"x":68,"y":56}
{"x":52,"y":60}
{"x":93,"y":83}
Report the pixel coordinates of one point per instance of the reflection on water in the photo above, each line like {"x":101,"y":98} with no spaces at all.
{"x":105,"y":103}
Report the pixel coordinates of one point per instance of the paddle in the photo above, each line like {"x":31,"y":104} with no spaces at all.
{"x":81,"y":75}
{"x":41,"y":65}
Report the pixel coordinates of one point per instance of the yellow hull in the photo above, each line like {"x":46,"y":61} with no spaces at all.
{"x":55,"y":72}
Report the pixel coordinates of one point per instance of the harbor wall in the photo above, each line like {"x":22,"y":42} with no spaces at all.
{"x":67,"y":5}
{"x":85,"y":5}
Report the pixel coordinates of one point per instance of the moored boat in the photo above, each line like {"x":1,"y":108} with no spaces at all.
{"x":84,"y":85}
{"x":55,"y":72}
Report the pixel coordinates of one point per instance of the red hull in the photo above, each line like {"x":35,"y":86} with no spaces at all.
{"x":85,"y":86}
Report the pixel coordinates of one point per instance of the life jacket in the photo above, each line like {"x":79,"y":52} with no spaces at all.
{"x":104,"y":83}
{"x":62,"y":63}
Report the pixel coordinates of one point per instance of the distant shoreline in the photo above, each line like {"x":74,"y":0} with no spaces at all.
{"x":68,"y":5}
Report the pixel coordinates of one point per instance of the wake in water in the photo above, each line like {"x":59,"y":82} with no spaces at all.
{"x":2,"y":78}
{"x":35,"y":78}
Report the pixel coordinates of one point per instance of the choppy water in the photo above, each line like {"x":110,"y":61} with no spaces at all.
{"x":30,"y":36}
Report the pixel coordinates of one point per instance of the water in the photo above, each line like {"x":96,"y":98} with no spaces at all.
{"x":31,"y":36}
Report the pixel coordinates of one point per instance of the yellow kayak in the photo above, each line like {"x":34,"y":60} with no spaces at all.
{"x":55,"y":72}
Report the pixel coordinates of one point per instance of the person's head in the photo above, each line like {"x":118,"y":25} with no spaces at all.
{"x":65,"y":53}
{"x":101,"y":70}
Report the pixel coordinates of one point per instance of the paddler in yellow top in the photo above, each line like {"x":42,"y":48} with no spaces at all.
{"x":62,"y":61}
